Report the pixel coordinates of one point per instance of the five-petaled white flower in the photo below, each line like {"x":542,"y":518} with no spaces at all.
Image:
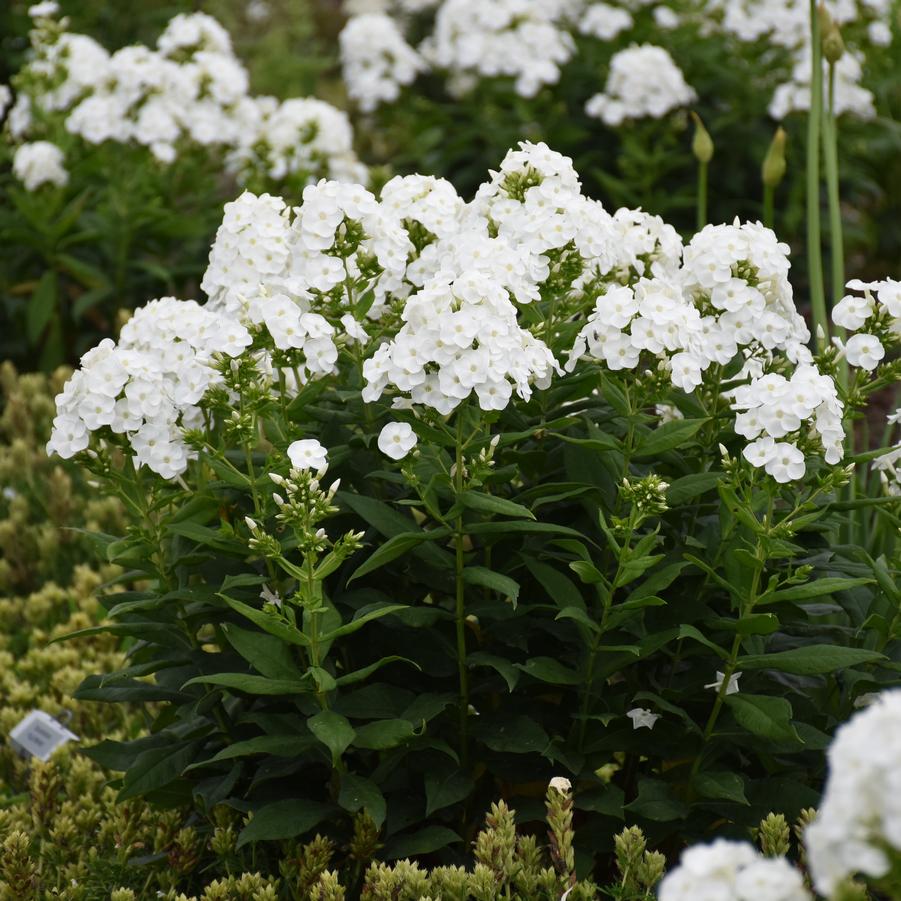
{"x":642,"y":718}
{"x":397,"y":439}
{"x":308,"y":453}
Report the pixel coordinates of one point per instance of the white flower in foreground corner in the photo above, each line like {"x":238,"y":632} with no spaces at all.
{"x":732,"y":870}
{"x":642,"y":718}
{"x":731,"y":688}
{"x":397,"y":439}
{"x":308,"y":453}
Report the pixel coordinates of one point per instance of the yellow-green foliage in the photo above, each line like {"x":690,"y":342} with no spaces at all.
{"x":45,"y":505}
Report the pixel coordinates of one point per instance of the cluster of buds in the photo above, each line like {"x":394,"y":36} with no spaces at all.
{"x":303,"y":504}
{"x":774,"y":835}
{"x":647,"y":496}
{"x":262,"y":542}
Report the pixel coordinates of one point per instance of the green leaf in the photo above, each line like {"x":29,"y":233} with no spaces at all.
{"x":726,"y":786}
{"x":360,"y":793}
{"x":655,"y":801}
{"x":93,"y":688}
{"x":283,"y":819}
{"x":266,"y":653}
{"x":268,"y":622}
{"x":444,"y":789}
{"x":488,"y":503}
{"x":516,"y":734}
{"x":687,"y":631}
{"x":252,"y":684}
{"x":508,"y":672}
{"x":560,"y":588}
{"x":396,"y":546}
{"x":156,"y":768}
{"x":691,"y":486}
{"x":333,"y":730}
{"x":811,"y":660}
{"x":384,"y":734}
{"x":503,"y":528}
{"x":658,"y":581}
{"x":41,"y":306}
{"x":276,"y":745}
{"x":765,"y":716}
{"x":546,"y":669}
{"x":488,"y":578}
{"x":364,"y":673}
{"x":667,"y":436}
{"x":811,"y":590}
{"x":360,"y":620}
{"x":423,"y":841}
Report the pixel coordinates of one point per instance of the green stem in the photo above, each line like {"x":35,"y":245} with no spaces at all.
{"x":830,"y":159}
{"x":814,"y":248}
{"x":702,"y":195}
{"x":460,"y":600}
{"x":769,"y":215}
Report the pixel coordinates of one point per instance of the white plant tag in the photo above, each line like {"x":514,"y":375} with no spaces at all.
{"x":39,"y":735}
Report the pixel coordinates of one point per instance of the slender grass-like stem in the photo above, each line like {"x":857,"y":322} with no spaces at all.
{"x":830,"y":160}
{"x":460,"y":599}
{"x":702,"y":195}
{"x":769,"y":215}
{"x":814,"y":237}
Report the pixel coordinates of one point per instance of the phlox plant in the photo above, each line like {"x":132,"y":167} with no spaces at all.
{"x":434,"y":500}
{"x":115,"y":166}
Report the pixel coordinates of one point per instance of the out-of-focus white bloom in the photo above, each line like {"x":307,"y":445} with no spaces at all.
{"x":520,"y":39}
{"x":309,"y":454}
{"x":6,"y":98}
{"x":561,"y":783}
{"x":717,"y":684}
{"x":40,"y":163}
{"x":41,"y":10}
{"x":644,"y":82}
{"x":397,"y":439}
{"x":376,"y":60}
{"x":732,"y":871}
{"x":600,"y":20}
{"x":879,"y":33}
{"x":850,"y":96}
{"x":665,"y":17}
{"x":859,"y":818}
{"x":642,"y":718}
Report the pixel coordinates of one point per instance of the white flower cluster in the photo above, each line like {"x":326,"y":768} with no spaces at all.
{"x":148,"y":384}
{"x":191,"y":90}
{"x":732,"y":871}
{"x":644,"y":82}
{"x":376,"y":60}
{"x":518,"y":39}
{"x":39,"y":163}
{"x":773,"y":407}
{"x":849,"y":95}
{"x":858,"y":822}
{"x":605,"y":22}
{"x":888,"y":465}
{"x":444,"y":300}
{"x":875,"y":318}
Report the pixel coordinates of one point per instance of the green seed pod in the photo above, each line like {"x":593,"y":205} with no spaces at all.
{"x":702,"y":143}
{"x":773,"y":169}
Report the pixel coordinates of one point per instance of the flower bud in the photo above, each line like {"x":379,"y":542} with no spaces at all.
{"x":833,"y":45}
{"x":825,"y":19}
{"x":773,"y":169}
{"x":702,"y":144}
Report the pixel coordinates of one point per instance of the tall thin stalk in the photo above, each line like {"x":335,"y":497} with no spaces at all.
{"x":460,"y":600}
{"x":814,"y":249}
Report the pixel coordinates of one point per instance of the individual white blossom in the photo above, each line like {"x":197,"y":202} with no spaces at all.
{"x":397,"y":439}
{"x":864,"y":351}
{"x":307,"y":454}
{"x":642,"y":718}
{"x":717,"y":684}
